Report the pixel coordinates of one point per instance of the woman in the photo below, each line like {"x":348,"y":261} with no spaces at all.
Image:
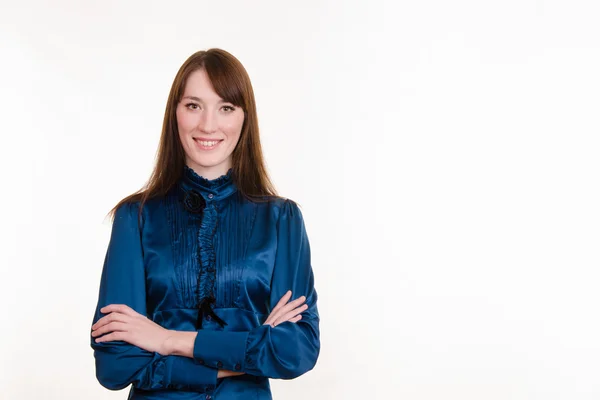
{"x":207,"y":287}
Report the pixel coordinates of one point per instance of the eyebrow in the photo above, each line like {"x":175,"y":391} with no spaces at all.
{"x":199,"y":100}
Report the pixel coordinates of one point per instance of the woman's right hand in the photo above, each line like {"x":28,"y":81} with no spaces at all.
{"x":282,"y":312}
{"x":285,"y":311}
{"x":223,"y":373}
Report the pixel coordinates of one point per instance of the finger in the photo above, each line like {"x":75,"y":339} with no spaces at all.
{"x":291,"y":305}
{"x":274,"y":312}
{"x":120,"y":308}
{"x":275,"y":316}
{"x":291,"y":314}
{"x":269,"y":320}
{"x":296,"y":318}
{"x":113,"y":336}
{"x":282,"y":302}
{"x":110,"y":327}
{"x":293,"y":320}
{"x":114,"y":316}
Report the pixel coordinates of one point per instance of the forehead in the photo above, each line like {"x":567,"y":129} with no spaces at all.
{"x":198,"y":85}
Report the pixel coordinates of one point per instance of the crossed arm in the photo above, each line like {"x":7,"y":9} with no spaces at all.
{"x":131,"y":349}
{"x":125,"y":324}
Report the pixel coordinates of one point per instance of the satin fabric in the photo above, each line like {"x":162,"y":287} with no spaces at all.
{"x":244,"y":255}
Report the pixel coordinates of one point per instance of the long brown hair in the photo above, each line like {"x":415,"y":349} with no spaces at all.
{"x":232,"y":83}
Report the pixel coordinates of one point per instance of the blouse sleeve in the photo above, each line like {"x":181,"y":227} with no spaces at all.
{"x":123,"y":281}
{"x":289,"y":349}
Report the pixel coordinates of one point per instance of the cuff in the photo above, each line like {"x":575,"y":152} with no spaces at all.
{"x":184,"y":374}
{"x":221,"y":349}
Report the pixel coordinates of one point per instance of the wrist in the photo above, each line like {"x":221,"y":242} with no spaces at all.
{"x":180,"y":343}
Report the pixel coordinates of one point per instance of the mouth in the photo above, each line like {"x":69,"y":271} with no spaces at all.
{"x":207,"y":144}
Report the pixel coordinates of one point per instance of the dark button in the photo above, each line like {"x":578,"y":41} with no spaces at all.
{"x":201,"y":361}
{"x":219,"y":364}
{"x":210,"y":196}
{"x":238,"y":367}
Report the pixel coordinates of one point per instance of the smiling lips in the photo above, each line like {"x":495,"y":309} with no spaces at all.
{"x":207,"y":144}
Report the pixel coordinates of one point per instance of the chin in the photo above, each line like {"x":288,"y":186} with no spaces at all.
{"x":206,"y":164}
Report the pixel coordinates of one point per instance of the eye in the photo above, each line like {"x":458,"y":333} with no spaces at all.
{"x":192,"y":106}
{"x":228,"y":108}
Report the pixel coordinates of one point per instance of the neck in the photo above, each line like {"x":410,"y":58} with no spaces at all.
{"x":211,"y":189}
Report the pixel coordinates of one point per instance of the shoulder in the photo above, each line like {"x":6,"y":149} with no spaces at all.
{"x":126,"y":210}
{"x":288,"y":210}
{"x":280,"y":203}
{"x":273,"y":202}
{"x":127,"y":216}
{"x":279,"y":207}
{"x":134,"y":212}
{"x":129,"y":208}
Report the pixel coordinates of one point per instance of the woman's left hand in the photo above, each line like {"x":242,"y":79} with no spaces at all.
{"x":123,"y":323}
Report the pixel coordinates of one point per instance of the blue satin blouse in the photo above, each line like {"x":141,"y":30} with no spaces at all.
{"x":203,"y":258}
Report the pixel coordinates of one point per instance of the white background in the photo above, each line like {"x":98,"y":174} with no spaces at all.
{"x":445,"y":154}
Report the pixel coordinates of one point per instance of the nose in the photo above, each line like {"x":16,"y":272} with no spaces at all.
{"x":208,"y":122}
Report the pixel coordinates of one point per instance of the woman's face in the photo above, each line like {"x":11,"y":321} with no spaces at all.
{"x":209,"y":127}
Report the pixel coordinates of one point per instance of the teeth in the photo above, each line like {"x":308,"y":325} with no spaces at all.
{"x":208,"y":144}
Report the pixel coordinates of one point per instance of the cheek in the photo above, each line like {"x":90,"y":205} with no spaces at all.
{"x":185,"y":122}
{"x":234,"y":127}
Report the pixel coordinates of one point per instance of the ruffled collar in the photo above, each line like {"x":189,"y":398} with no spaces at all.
{"x":210,"y":189}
